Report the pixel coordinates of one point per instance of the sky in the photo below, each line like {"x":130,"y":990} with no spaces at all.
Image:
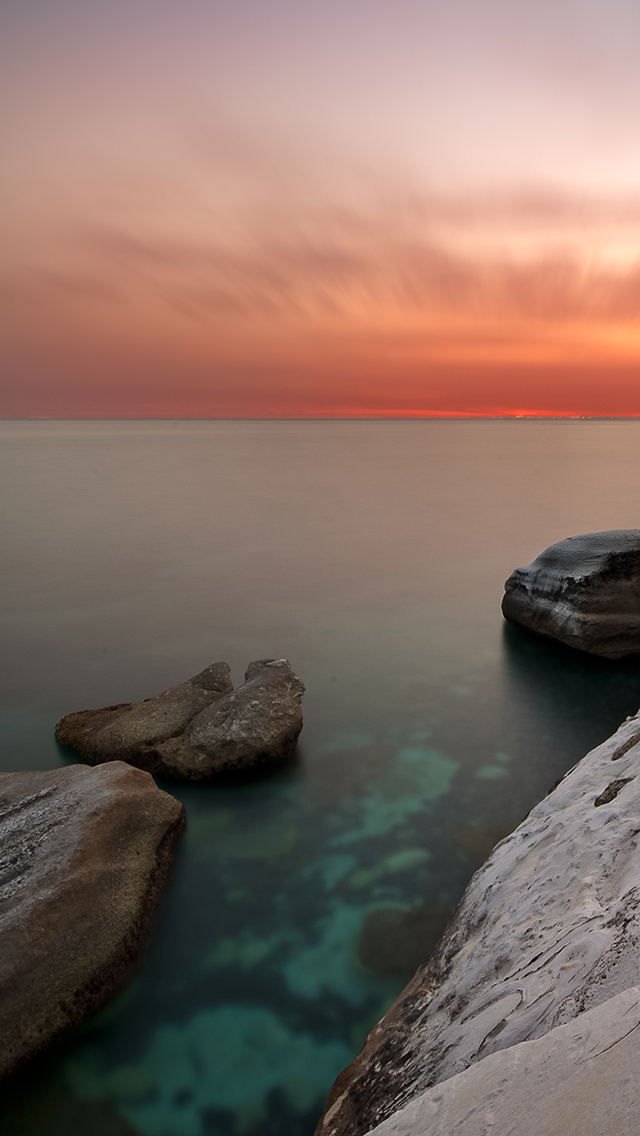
{"x":324,"y":208}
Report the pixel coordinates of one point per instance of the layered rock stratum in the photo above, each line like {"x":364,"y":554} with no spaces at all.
{"x":84,"y":855}
{"x":583,"y":591}
{"x":581,"y":1079}
{"x":201,"y":729}
{"x":548,"y":928}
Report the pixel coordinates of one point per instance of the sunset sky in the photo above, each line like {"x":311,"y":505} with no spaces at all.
{"x":256,"y":208}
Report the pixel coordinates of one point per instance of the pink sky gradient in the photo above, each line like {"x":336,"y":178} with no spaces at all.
{"x":303,"y":209}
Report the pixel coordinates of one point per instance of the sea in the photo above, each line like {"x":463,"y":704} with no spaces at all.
{"x":372,"y":555}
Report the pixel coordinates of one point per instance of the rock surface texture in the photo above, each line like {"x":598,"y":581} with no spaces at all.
{"x":583,"y":591}
{"x":201,"y":729}
{"x":581,"y":1079}
{"x":548,"y":927}
{"x":84,"y":854}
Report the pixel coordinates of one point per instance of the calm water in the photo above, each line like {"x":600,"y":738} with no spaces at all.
{"x":372,"y":555}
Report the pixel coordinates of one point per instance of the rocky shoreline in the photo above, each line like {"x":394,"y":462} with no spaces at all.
{"x":548,"y":928}
{"x":580,"y":1079}
{"x":85,"y":852}
{"x":535,"y":978}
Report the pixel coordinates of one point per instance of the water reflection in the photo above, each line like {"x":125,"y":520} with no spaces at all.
{"x":562,"y":697}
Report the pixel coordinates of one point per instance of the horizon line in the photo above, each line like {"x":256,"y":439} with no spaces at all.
{"x":393,"y":417}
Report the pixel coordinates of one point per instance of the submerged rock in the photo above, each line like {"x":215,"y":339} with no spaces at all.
{"x":240,"y":1058}
{"x":84,"y":854}
{"x":394,"y":943}
{"x":583,"y":591}
{"x":202,"y":728}
{"x":581,"y":1078}
{"x":548,"y":927}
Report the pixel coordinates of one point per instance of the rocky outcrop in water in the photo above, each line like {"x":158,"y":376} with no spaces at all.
{"x":583,"y":591}
{"x":84,"y":854}
{"x":548,"y":927}
{"x":201,"y":729}
{"x":581,"y":1079}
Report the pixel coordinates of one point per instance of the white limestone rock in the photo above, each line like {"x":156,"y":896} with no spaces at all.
{"x":548,"y":927}
{"x":581,"y":1079}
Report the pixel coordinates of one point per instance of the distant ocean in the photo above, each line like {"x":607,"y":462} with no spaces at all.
{"x":372,"y":555}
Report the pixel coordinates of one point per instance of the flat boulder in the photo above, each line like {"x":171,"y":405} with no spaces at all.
{"x":200,"y":730}
{"x":84,"y":855}
{"x":583,"y":591}
{"x":548,"y":928}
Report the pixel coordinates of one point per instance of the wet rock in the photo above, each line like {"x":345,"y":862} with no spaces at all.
{"x":257,"y":725}
{"x":199,"y":730}
{"x":548,"y":927}
{"x":583,"y":591}
{"x":84,"y":854}
{"x":394,"y":943}
{"x":126,"y":730}
{"x":581,"y":1079}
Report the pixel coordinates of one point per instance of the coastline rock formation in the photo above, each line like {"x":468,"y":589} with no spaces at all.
{"x":198,"y":730}
{"x":547,"y":928}
{"x":583,"y":591}
{"x":581,"y":1078}
{"x":84,"y":855}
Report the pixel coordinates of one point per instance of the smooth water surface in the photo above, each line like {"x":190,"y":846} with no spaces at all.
{"x":372,"y":555}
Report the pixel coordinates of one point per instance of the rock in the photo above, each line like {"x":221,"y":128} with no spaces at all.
{"x":581,"y":1079}
{"x":257,"y":725}
{"x":201,"y":729}
{"x":393,"y":943}
{"x":84,"y":854}
{"x":583,"y":591}
{"x":124,"y":731}
{"x":548,"y":927}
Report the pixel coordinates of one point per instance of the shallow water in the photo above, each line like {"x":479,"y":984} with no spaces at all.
{"x":372,"y":555}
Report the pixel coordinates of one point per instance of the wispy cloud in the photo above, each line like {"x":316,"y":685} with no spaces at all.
{"x":331,"y":265}
{"x":267,"y":269}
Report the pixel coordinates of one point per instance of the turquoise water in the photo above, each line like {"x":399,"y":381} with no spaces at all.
{"x":372,"y":555}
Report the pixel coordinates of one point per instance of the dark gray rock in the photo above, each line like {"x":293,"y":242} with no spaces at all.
{"x":199,"y":730}
{"x":549,"y":927}
{"x":84,"y":854}
{"x":583,"y":591}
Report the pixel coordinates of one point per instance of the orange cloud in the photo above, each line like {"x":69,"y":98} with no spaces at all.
{"x":391,"y":301}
